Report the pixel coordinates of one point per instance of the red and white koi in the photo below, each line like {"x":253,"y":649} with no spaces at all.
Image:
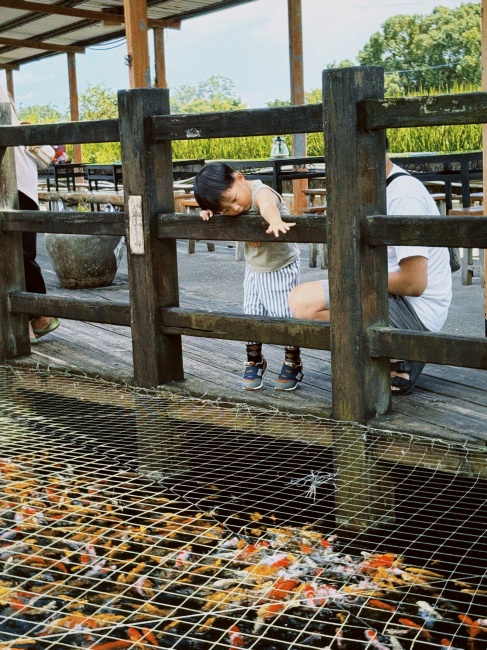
{"x":235,"y":637}
{"x":182,"y":556}
{"x":372,"y":638}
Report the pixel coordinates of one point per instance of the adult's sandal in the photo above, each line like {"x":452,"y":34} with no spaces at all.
{"x":401,"y":385}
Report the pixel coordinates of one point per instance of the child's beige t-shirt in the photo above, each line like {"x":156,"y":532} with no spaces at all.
{"x":264,"y":257}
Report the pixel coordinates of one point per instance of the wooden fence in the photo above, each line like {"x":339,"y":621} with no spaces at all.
{"x":353,"y":117}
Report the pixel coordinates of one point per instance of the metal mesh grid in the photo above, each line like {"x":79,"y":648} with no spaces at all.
{"x":131,"y":519}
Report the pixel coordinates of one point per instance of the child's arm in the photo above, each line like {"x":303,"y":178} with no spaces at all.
{"x":206,"y":214}
{"x":267,"y":202}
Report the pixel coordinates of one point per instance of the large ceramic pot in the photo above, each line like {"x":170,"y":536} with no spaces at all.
{"x":84,"y":261}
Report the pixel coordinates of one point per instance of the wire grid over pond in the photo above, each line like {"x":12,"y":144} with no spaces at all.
{"x":137,"y":519}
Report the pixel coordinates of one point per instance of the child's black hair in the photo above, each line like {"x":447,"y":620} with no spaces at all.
{"x":211,"y":183}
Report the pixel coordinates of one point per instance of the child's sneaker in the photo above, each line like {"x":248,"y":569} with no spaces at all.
{"x":291,"y":373}
{"x":253,"y":374}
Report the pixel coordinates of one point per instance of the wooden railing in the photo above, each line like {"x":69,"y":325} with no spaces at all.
{"x":359,"y":338}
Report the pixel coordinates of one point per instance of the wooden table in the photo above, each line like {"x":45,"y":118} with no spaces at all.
{"x":467,"y":257}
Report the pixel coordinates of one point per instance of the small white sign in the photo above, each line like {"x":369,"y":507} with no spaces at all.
{"x":136,"y":226}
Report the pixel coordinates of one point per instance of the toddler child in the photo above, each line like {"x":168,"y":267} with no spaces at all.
{"x":272,"y":268}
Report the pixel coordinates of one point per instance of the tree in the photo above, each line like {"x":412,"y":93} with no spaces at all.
{"x":217,"y":93}
{"x":40,"y":114}
{"x":440,"y":50}
{"x":98,"y":103}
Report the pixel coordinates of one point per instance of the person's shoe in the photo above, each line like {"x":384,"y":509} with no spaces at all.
{"x":289,"y":377}
{"x":253,"y":374}
{"x":53,"y":325}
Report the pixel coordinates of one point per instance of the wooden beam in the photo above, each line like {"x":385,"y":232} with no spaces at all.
{"x":78,"y":223}
{"x":10,"y":83}
{"x":221,"y":228}
{"x":73,"y":102}
{"x":229,"y":124}
{"x":358,"y":272}
{"x":469,"y":232}
{"x":431,"y":347}
{"x":239,"y":327}
{"x":428,"y":110}
{"x":137,"y":43}
{"x":160,"y":59}
{"x":98,"y":16}
{"x":40,"y":45}
{"x":9,"y":66}
{"x":152,"y":262}
{"x":295,"y":23}
{"x":65,"y":132}
{"x":92,"y":310}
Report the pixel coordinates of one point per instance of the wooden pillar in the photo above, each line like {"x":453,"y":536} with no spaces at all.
{"x":73,"y":102}
{"x":10,"y":83}
{"x":297,"y":92}
{"x":358,"y":273}
{"x":135,"y":12}
{"x":160,"y":59}
{"x":358,"y":292}
{"x":484,"y":141}
{"x":152,"y":262}
{"x":14,"y":340}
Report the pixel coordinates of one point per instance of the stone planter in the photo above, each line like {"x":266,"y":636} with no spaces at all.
{"x":84,"y":261}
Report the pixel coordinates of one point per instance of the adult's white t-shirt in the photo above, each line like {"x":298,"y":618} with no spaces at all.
{"x":25,"y":167}
{"x":408,"y":196}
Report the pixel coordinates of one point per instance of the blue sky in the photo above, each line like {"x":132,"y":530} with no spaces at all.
{"x":248,"y":44}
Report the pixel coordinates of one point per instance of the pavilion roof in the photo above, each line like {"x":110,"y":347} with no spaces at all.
{"x":31,"y":30}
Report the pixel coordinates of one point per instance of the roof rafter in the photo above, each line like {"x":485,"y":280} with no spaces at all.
{"x":40,"y":45}
{"x":98,"y":16}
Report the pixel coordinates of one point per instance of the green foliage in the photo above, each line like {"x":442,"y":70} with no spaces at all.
{"x":214,"y":94}
{"x":434,"y":51}
{"x":99,"y":103}
{"x":40,"y":114}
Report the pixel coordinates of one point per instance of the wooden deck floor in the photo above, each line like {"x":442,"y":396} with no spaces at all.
{"x":449,"y":402}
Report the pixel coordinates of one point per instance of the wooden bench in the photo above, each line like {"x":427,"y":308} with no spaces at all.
{"x":467,"y":257}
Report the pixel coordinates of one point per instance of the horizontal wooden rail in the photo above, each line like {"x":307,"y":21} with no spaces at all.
{"x":468,"y":232}
{"x":461,"y":108}
{"x":78,"y":223}
{"x":93,"y":311}
{"x":228,"y":124}
{"x":65,"y":132}
{"x":447,"y":349}
{"x":308,"y":228}
{"x":281,"y":331}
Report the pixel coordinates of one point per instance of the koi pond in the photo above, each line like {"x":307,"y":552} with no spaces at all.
{"x":127,"y":521}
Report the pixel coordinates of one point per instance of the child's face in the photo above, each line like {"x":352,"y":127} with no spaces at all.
{"x":238,"y":198}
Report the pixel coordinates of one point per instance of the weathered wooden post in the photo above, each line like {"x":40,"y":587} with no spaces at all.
{"x":152,"y":262}
{"x":14,"y":339}
{"x":355,"y":172}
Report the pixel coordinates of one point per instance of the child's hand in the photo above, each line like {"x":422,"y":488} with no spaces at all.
{"x":279,"y":226}
{"x":206,"y":214}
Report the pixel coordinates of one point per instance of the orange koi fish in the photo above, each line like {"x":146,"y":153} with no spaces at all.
{"x":282,"y":588}
{"x":380,"y":604}
{"x":416,"y":626}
